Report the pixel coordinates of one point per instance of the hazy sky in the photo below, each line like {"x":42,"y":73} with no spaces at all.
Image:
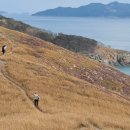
{"x":31,"y":6}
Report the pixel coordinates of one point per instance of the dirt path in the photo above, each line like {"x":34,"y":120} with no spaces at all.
{"x":17,"y":85}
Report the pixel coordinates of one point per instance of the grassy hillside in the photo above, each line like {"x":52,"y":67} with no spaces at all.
{"x":76,"y":93}
{"x":85,"y":46}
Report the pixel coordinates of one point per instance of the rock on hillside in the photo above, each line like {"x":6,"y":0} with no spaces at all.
{"x":111,"y":56}
{"x":75,"y":92}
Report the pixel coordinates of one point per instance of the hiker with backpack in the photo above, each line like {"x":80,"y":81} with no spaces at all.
{"x":4,"y":48}
{"x":36,"y":99}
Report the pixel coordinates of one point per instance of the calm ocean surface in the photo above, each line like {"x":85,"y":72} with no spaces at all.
{"x":110,"y":31}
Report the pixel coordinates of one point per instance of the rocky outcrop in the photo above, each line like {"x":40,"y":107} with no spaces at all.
{"x":117,"y":60}
{"x":111,"y":56}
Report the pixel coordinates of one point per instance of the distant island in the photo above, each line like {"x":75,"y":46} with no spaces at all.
{"x":114,"y":9}
{"x":2,"y":12}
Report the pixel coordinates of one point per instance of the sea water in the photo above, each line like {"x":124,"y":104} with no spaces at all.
{"x":114,"y":32}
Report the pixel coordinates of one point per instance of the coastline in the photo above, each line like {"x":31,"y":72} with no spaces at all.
{"x":101,"y":52}
{"x":124,"y":69}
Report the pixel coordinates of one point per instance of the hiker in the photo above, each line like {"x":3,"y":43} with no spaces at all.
{"x":4,"y":48}
{"x":36,"y":99}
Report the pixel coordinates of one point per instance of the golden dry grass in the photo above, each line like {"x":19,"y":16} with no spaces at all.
{"x":68,"y":102}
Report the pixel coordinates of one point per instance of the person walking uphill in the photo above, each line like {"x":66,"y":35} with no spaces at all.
{"x":36,"y":99}
{"x":4,"y":48}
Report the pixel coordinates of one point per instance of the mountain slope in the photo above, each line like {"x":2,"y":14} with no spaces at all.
{"x":85,"y":46}
{"x":114,"y":9}
{"x":75,"y":92}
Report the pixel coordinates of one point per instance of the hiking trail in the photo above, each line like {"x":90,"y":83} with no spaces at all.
{"x":17,"y":85}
